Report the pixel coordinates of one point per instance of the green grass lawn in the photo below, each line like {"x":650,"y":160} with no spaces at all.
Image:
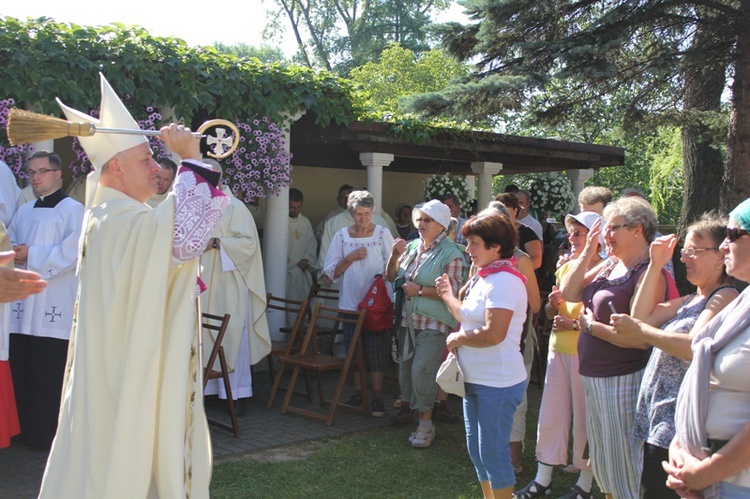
{"x":379,"y":463}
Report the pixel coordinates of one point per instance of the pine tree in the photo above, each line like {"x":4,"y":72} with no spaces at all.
{"x":671,"y":60}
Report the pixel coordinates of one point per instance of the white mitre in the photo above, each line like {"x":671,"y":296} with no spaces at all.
{"x":101,"y":147}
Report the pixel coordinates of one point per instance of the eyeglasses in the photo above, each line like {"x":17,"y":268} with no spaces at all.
{"x":734,"y":233}
{"x":425,"y":220}
{"x":614,"y":228}
{"x":34,"y":173}
{"x":576,"y":233}
{"x":691,"y":252}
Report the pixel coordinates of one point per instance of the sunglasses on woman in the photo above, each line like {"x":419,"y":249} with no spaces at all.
{"x":734,"y":233}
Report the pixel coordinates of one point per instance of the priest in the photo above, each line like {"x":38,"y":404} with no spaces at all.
{"x":45,"y":235}
{"x":166,"y":175}
{"x":131,"y":420}
{"x":232,"y":270}
{"x":301,"y":252}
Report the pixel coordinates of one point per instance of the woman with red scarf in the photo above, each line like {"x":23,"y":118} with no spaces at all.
{"x":487,"y":345}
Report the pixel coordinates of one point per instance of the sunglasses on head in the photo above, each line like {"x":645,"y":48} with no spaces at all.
{"x":734,"y":233}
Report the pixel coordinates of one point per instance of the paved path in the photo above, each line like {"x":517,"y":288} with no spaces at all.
{"x":21,"y":467}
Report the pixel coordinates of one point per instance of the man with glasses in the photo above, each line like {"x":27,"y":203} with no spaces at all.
{"x":45,"y":234}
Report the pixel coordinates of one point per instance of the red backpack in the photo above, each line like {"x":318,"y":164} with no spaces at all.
{"x":378,"y":307}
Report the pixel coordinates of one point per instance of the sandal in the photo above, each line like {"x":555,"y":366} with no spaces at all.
{"x":532,"y":490}
{"x":577,"y":493}
{"x":423,"y":437}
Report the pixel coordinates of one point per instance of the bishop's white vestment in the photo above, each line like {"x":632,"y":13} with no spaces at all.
{"x":233,"y":275}
{"x":132,"y":423}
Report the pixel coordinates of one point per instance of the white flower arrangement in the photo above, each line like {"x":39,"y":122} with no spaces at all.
{"x":551,"y":192}
{"x":438,"y":186}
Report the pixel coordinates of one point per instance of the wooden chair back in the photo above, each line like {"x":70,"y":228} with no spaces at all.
{"x":298,"y":309}
{"x":218,"y":324}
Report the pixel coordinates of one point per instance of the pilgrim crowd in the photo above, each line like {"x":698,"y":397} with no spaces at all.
{"x":98,"y":325}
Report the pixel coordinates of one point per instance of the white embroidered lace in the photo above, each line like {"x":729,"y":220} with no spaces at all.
{"x":197,"y":212}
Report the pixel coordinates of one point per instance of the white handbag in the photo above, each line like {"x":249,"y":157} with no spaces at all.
{"x":449,"y":376}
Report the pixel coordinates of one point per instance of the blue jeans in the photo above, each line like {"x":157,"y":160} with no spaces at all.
{"x":488,"y":415}
{"x":730,"y":491}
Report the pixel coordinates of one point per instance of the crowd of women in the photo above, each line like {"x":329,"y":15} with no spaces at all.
{"x":653,"y":383}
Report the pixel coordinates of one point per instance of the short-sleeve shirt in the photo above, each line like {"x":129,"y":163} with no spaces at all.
{"x":525,"y":235}
{"x":500,"y":365}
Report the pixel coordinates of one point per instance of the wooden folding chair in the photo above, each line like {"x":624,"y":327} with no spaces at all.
{"x":310,"y":359}
{"x":289,"y":347}
{"x":218,"y":325}
{"x":323,"y":295}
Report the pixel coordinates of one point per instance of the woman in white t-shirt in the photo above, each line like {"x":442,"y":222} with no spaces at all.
{"x":492,"y":316}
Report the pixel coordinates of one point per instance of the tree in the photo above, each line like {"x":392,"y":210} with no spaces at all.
{"x":400,"y":72}
{"x":264,"y":53}
{"x":671,"y":60}
{"x":368,"y":27}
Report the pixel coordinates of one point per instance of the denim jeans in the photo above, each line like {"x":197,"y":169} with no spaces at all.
{"x":488,"y":415}
{"x":731,"y":491}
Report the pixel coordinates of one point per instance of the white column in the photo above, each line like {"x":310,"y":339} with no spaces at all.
{"x":577,"y":179}
{"x":471,"y":187}
{"x":375,"y":161}
{"x":275,"y":246}
{"x":484,"y":171}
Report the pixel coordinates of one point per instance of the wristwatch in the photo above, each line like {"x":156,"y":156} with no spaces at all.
{"x":215,"y":243}
{"x":420,"y":290}
{"x":576,"y":327}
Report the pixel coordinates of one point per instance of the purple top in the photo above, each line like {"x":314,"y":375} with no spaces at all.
{"x":599,"y":358}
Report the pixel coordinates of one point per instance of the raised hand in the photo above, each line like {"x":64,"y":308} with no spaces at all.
{"x":662,"y":249}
